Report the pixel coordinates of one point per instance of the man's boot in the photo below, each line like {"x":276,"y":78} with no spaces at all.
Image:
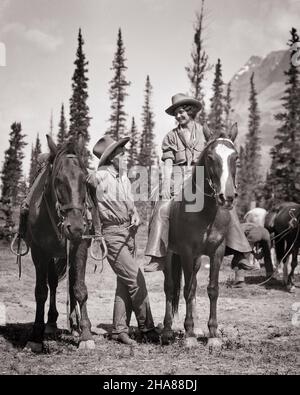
{"x":242,"y":260}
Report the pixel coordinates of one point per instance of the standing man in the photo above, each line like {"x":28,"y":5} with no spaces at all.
{"x":120,"y":220}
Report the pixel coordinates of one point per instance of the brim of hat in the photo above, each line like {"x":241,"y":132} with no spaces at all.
{"x":170,"y":110}
{"x":111,"y":148}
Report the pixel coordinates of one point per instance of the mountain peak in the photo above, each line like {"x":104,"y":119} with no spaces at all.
{"x":269,"y":81}
{"x":252,"y":63}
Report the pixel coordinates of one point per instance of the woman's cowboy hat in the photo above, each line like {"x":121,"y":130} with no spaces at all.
{"x":106,"y":146}
{"x":181,"y":99}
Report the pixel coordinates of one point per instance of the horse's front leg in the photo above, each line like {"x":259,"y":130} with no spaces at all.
{"x":51,"y":326}
{"x":213,"y":293}
{"x":74,"y":318}
{"x":81,"y":294}
{"x":35,"y":342}
{"x":168,"y":334}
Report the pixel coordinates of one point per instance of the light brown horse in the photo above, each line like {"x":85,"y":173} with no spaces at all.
{"x":193,"y":234}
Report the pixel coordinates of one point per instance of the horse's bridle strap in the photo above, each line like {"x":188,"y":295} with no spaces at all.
{"x":70,"y":206}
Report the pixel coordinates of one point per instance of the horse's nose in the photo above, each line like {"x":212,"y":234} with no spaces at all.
{"x":74,"y":231}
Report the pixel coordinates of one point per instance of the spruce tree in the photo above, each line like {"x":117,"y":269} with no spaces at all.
{"x":79,"y":109}
{"x":11,"y":174}
{"x":62,"y":127}
{"x":228,"y":108}
{"x":34,"y":166}
{"x":133,"y":155}
{"x":198,"y":67}
{"x":285,"y":167}
{"x":146,"y":156}
{"x":216,"y":115}
{"x":117,"y":92}
{"x":253,"y":145}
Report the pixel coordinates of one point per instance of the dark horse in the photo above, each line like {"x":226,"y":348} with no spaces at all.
{"x":287,"y":240}
{"x":57,"y":217}
{"x":193,"y":234}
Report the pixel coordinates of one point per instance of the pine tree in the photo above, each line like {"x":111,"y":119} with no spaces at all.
{"x":228,"y":108}
{"x":198,"y":67}
{"x":117,"y":92}
{"x":62,"y":127}
{"x":133,"y":155}
{"x":11,"y":174}
{"x":147,"y":138}
{"x":285,"y":167}
{"x":216,"y":115}
{"x":79,"y":110}
{"x":35,"y":152}
{"x":252,"y":145}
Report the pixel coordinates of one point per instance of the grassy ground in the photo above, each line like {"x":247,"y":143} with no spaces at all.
{"x":256,"y":324}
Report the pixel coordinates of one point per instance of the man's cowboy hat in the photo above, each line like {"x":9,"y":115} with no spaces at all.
{"x":180,"y":99}
{"x":106,"y":146}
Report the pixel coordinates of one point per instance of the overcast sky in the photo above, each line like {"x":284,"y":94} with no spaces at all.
{"x":40,"y":37}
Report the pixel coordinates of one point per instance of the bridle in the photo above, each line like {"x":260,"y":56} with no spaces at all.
{"x":61,"y":209}
{"x":209,"y":177}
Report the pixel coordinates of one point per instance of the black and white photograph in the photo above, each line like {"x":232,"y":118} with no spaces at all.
{"x":149,"y":190}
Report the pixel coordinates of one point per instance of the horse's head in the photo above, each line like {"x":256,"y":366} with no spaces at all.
{"x":219,"y":159}
{"x":68,"y":184}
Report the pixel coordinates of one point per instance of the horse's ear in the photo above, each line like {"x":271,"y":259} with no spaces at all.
{"x":207,"y":132}
{"x":233,"y":132}
{"x":52,"y":146}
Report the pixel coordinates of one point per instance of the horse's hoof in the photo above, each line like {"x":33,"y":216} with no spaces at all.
{"x":190,"y":342}
{"x":214,"y":344}
{"x":34,"y":347}
{"x":51,"y":330}
{"x":87,"y":345}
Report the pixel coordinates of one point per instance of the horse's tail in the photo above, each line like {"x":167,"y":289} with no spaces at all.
{"x":176,"y":276}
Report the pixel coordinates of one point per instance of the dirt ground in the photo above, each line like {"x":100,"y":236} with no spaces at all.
{"x":259,"y":326}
